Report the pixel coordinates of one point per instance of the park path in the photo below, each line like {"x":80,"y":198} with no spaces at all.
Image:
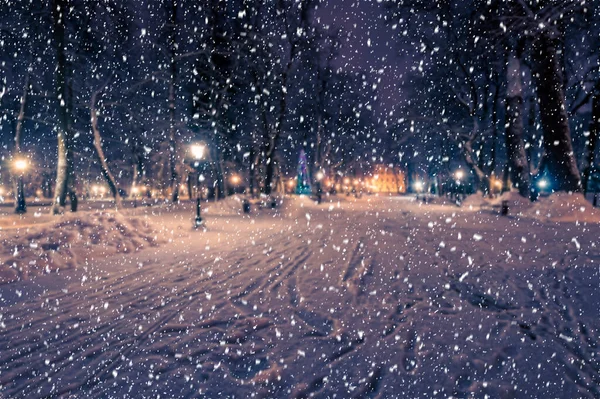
{"x":376,"y":298}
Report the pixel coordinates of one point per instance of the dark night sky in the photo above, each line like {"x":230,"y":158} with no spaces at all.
{"x":368,"y":44}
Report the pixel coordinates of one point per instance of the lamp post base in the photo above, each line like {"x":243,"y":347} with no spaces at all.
{"x":198,"y":222}
{"x":21,"y":205}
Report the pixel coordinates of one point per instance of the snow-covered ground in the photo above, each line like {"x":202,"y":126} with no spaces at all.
{"x":382,"y":297}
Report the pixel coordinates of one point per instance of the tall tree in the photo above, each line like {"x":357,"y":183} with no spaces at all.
{"x":173,"y":155}
{"x":515,"y":147}
{"x":65,"y":173}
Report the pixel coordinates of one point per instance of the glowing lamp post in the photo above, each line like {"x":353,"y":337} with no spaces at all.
{"x":418,"y":187}
{"x":235,"y":180}
{"x":498,"y":185}
{"x":197,"y":151}
{"x":20,"y":166}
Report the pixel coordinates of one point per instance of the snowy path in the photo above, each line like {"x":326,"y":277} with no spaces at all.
{"x":376,"y":299}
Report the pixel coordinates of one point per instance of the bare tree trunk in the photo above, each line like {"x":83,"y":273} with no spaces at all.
{"x":274,"y":140}
{"x":592,"y":141}
{"x":252,"y":172}
{"x":64,"y":167}
{"x":560,"y":159}
{"x":108,"y":176}
{"x":219,"y":169}
{"x":188,"y":181}
{"x":529,"y":130}
{"x":515,"y":148}
{"x":505,"y":176}
{"x":173,"y":157}
{"x":483,"y":181}
{"x":20,"y":202}
{"x":492,"y":163}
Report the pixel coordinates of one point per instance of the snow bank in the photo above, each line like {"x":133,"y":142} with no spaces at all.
{"x":68,"y":242}
{"x":517,"y":204}
{"x":564,"y":207}
{"x":474,"y":201}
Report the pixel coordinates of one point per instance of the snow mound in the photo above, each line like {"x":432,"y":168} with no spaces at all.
{"x":474,"y":201}
{"x":70,"y":241}
{"x":517,"y":204}
{"x":441,"y":200}
{"x":565,"y":207}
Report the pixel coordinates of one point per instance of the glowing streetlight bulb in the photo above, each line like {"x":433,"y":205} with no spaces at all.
{"x":418,"y":186}
{"x":197,"y":151}
{"x":543,"y":183}
{"x":20,"y":165}
{"x":459,"y":174}
{"x":235,"y":179}
{"x":319,"y":176}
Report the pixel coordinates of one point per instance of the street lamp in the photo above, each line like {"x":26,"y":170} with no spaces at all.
{"x":197,"y":151}
{"x":418,"y":186}
{"x":20,"y":166}
{"x":235,"y":179}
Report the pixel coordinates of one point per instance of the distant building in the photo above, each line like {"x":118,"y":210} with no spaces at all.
{"x":388,"y":180}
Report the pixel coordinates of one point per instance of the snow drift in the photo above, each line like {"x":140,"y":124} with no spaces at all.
{"x":68,"y":242}
{"x":565,"y":207}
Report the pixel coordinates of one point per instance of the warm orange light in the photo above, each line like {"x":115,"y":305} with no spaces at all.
{"x":197,"y":151}
{"x":235,"y":179}
{"x":20,"y":165}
